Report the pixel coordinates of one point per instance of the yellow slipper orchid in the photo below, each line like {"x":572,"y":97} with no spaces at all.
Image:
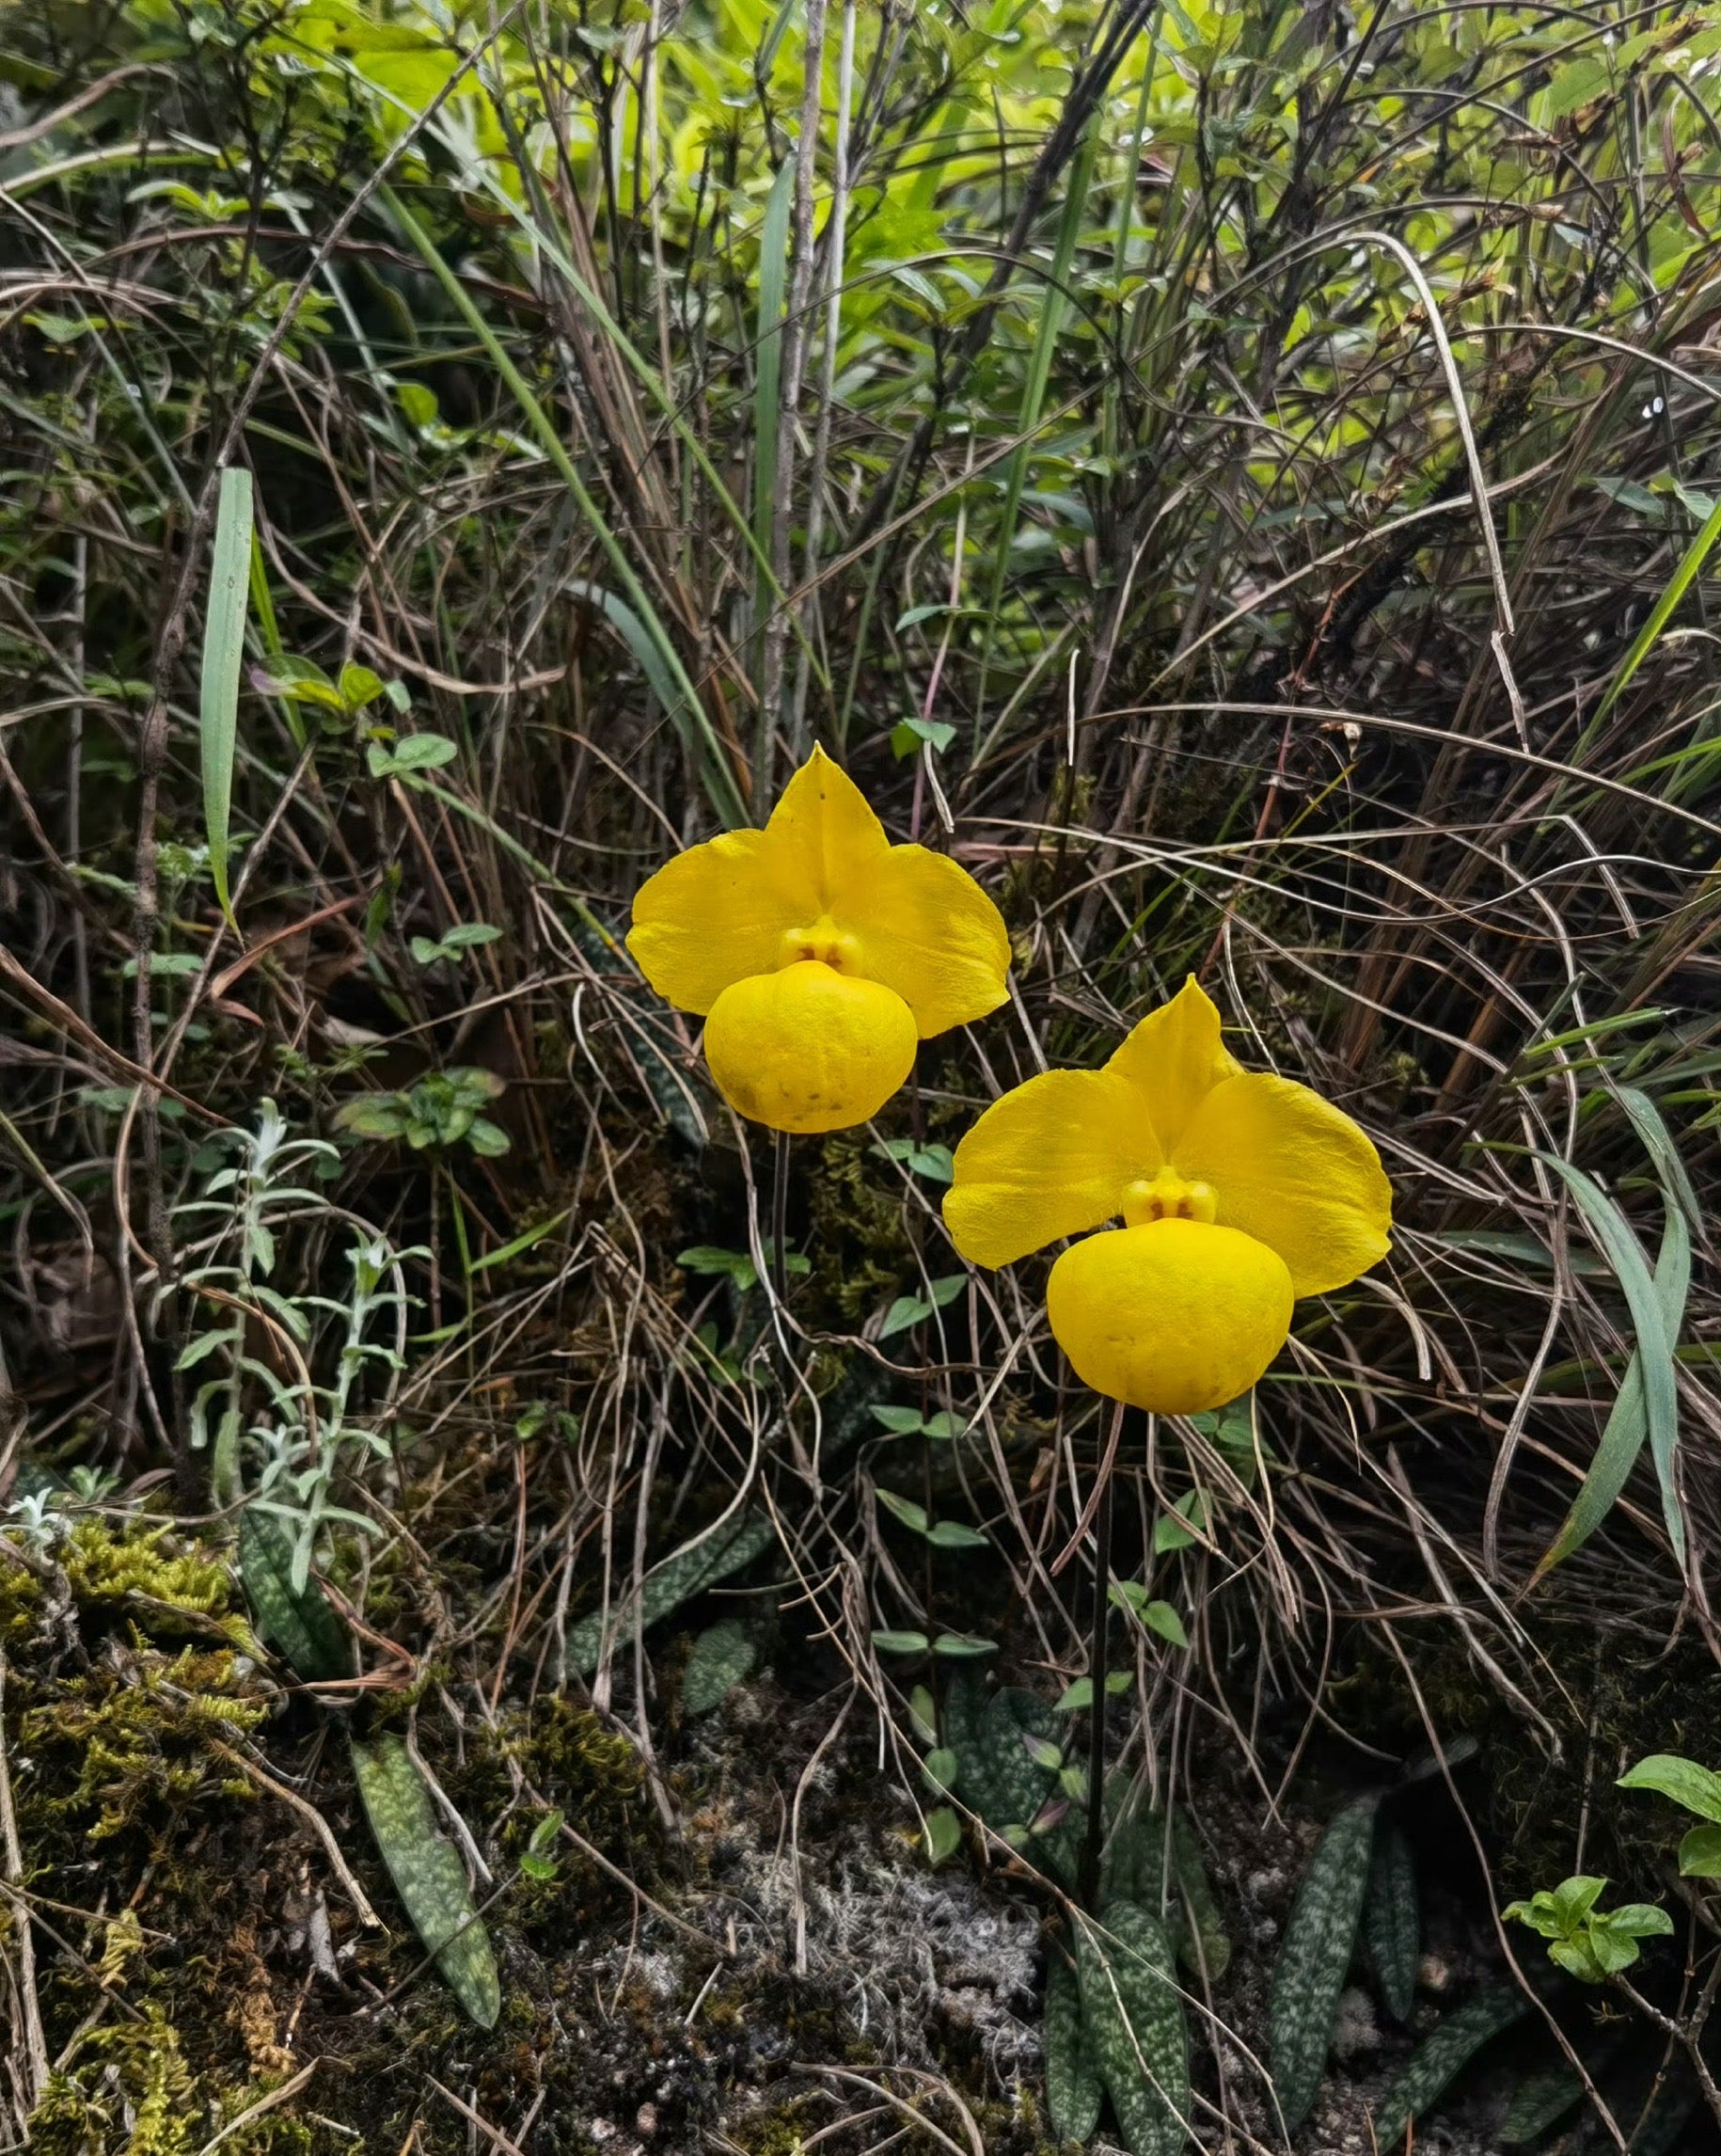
{"x":818,"y":954}
{"x":1240,"y":1192}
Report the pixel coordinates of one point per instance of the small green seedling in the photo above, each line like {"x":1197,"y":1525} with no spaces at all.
{"x":463,"y":937}
{"x":908,"y":1310}
{"x":538,"y":1857}
{"x":1589,"y":1943}
{"x":439,"y":1112}
{"x":935,"y":1162}
{"x":911,"y":1422}
{"x":705,"y":1258}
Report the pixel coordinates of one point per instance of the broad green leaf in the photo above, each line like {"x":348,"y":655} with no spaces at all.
{"x":1392,"y":1922}
{"x":889,"y":1643}
{"x":904,"y":1509}
{"x":1132,"y":2012}
{"x":1700,"y":1854}
{"x":1161,"y":1618}
{"x":944,"y":1834}
{"x":1072,"y":2079}
{"x":299,"y":1623}
{"x":951,"y":1534}
{"x":941,"y":1766}
{"x":676,"y":1580}
{"x":1697,"y":1788}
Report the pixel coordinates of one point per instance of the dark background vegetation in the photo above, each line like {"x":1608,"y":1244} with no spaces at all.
{"x":1210,"y":467}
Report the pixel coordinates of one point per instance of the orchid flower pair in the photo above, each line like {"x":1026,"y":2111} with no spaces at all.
{"x":820,"y":955}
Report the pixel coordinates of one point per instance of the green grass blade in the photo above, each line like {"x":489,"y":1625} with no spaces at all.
{"x":647,"y":653}
{"x":1658,"y":1143}
{"x":224,"y":644}
{"x":707,"y":752}
{"x":1657,"y":1305}
{"x":1624,"y":1434}
{"x":1660,"y":614}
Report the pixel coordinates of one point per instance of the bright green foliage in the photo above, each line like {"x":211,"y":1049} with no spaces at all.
{"x":1133,"y":2015}
{"x":722,"y":1657}
{"x":944,"y":1834}
{"x":676,"y":1580}
{"x":1438,"y":2060}
{"x":1698,"y":1790}
{"x":1072,"y":2079}
{"x":1392,"y":1922}
{"x":428,"y":1873}
{"x":1589,"y":1943}
{"x":737,"y":1265}
{"x":1319,"y":1940}
{"x":299,"y":1623}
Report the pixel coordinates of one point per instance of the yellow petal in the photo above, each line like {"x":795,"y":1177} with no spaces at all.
{"x":1176,"y":1058}
{"x":1052,"y":1158}
{"x":823,"y":840}
{"x":1175,"y":1317}
{"x":925,"y":927}
{"x":708,"y":918}
{"x":1294,"y":1171}
{"x":808,"y":1048}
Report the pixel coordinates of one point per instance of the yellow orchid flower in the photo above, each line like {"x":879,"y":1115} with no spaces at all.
{"x":1240,"y":1192}
{"x":818,"y":954}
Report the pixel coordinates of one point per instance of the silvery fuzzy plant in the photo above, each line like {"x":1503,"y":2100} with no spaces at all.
{"x":300,"y":1432}
{"x":280,"y":1460}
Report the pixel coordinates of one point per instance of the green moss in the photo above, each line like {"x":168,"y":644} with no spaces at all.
{"x":135,"y":1730}
{"x":105,"y":1569}
{"x":779,"y":2132}
{"x":128,"y":2091}
{"x":858,"y":1226}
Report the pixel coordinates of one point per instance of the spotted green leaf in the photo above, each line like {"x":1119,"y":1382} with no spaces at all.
{"x":428,"y":1873}
{"x":299,"y":1624}
{"x":1072,"y":2079}
{"x":1540,"y":2101}
{"x":1437,"y":2061}
{"x":1319,"y":1940}
{"x":676,"y":1580}
{"x":1133,"y":2015}
{"x":1392,"y":1922}
{"x":722,"y":1655}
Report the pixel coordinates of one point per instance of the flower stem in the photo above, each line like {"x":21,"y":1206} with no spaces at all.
{"x":779,"y":1218}
{"x":1101,"y":1505}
